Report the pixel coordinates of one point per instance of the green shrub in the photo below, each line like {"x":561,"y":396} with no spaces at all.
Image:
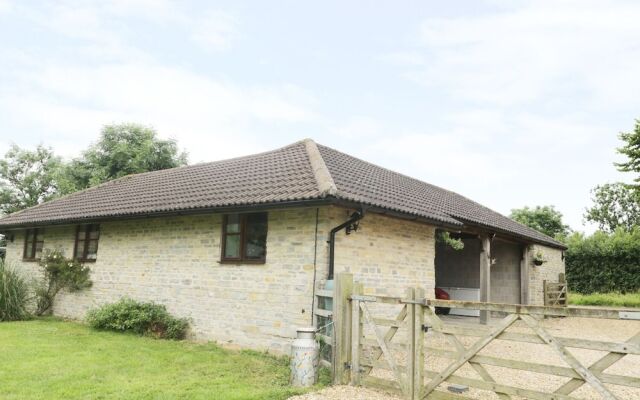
{"x":604,"y":262}
{"x":128,"y":315}
{"x":59,"y":273}
{"x":14,"y":294}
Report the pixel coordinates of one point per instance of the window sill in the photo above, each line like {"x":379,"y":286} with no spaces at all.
{"x":242,"y":262}
{"x":85,"y":261}
{"x":30,"y":259}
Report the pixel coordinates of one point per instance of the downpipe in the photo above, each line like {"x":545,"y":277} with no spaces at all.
{"x":351,"y":225}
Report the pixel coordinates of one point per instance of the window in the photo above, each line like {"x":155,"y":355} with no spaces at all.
{"x":87,"y":237}
{"x":33,"y":243}
{"x":244,"y":237}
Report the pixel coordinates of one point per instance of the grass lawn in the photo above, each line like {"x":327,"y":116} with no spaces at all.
{"x":52,"y":359}
{"x":605,"y":299}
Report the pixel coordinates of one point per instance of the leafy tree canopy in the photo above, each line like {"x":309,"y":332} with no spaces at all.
{"x":122,"y":149}
{"x":545,"y":219}
{"x":27,"y":178}
{"x":631,"y":149}
{"x":615,"y":205}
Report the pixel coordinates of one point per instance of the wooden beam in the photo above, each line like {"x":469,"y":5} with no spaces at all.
{"x":469,"y":354}
{"x":341,"y":326}
{"x":603,"y":363}
{"x":418,"y":344}
{"x":597,"y":312}
{"x":485,"y":275}
{"x":388,"y":356}
{"x":356,"y":336}
{"x":567,"y":357}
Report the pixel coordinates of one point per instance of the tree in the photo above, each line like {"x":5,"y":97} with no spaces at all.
{"x":122,"y":149}
{"x":615,"y":205}
{"x":631,"y":149}
{"x":545,"y":219}
{"x":27,"y":178}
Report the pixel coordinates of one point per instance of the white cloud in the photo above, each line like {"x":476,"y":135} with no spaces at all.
{"x":64,"y":102}
{"x":202,"y":113}
{"x":407,"y":58}
{"x":214,"y":30}
{"x":540,"y":90}
{"x":536,"y":51}
{"x":109,"y":24}
{"x":359,"y":127}
{"x":5,"y":6}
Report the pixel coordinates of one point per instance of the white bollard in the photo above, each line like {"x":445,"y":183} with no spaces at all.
{"x":305,"y":356}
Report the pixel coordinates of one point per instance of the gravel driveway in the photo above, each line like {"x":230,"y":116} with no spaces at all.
{"x":593,"y":329}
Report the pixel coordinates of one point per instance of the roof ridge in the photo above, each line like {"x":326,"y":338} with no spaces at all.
{"x":326,"y":185}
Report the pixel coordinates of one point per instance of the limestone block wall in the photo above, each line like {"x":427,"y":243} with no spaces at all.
{"x":175,"y":261}
{"x":386,"y":254}
{"x":548,"y":271}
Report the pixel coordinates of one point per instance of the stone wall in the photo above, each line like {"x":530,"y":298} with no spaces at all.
{"x":548,"y":271}
{"x":176,"y":261}
{"x":387,"y":255}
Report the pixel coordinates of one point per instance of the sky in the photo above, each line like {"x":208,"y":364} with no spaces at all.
{"x":509,"y":103}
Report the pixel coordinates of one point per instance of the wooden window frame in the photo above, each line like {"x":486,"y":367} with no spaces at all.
{"x":34,"y":243}
{"x":85,"y":230}
{"x":242,"y":259}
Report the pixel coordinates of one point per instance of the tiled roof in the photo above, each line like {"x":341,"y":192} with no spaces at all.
{"x":367,"y":183}
{"x":299,"y":172}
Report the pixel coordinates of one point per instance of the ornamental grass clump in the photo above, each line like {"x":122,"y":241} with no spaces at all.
{"x":14,"y":294}
{"x":148,"y":319}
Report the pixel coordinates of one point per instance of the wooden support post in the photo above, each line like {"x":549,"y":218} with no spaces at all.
{"x":418,"y":344}
{"x":524,"y":275}
{"x":485,"y":275}
{"x":343,"y":289}
{"x":411,"y":341}
{"x":356,"y":336}
{"x":545,"y":293}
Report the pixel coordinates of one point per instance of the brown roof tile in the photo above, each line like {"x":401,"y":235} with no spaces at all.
{"x":298,"y":172}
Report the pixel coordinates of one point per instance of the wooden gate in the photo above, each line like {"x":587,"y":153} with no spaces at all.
{"x":398,"y":353}
{"x":556,"y":294}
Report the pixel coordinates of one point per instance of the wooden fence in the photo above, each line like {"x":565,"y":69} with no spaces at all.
{"x":393,"y":353}
{"x":556,"y":294}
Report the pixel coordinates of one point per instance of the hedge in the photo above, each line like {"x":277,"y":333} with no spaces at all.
{"x":604,"y":262}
